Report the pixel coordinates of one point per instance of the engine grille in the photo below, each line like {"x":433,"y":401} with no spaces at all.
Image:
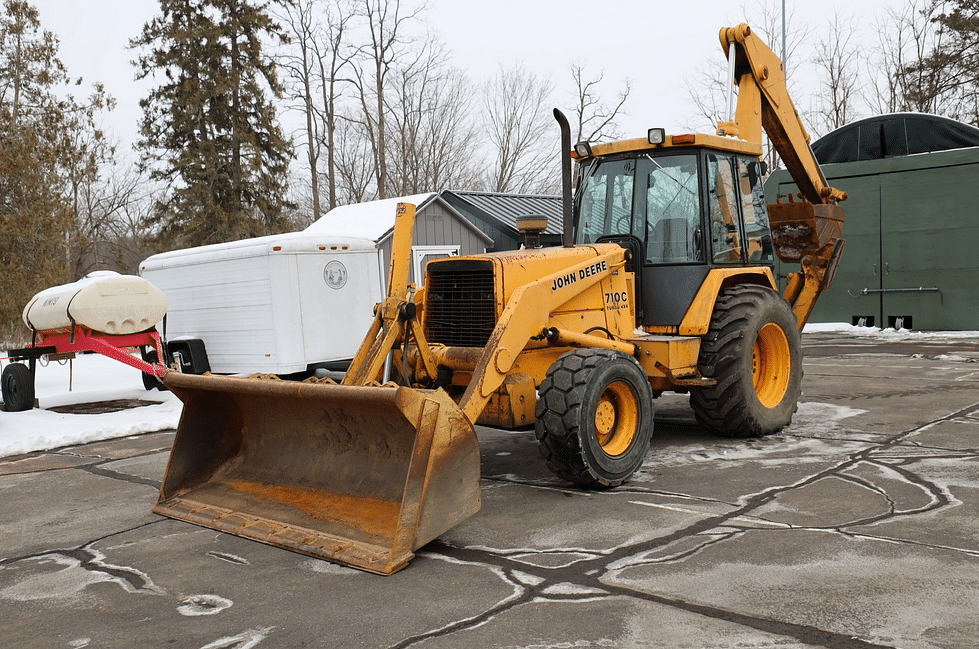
{"x":460,"y":306}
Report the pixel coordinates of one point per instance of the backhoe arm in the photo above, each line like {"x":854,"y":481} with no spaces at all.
{"x":809,"y":232}
{"x":764,"y":102}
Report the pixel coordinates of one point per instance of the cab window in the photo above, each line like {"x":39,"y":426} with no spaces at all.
{"x":756,"y":227}
{"x":606,"y":201}
{"x":724,"y":196}
{"x":672,"y":209}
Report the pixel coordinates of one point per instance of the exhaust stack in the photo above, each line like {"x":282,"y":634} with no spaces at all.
{"x":567,"y":236}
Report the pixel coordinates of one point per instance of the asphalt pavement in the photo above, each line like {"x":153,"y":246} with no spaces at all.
{"x":856,"y":527}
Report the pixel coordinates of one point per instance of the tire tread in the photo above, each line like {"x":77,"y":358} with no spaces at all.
{"x":726,"y":408}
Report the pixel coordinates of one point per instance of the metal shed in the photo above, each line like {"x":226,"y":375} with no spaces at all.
{"x":440,"y":230}
{"x":911,"y":222}
{"x":496,"y":215}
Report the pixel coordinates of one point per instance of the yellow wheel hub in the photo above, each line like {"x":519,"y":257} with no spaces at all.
{"x":616,"y":418}
{"x":771,"y":365}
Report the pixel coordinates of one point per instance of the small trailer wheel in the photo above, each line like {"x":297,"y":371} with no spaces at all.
{"x":151,"y":382}
{"x":17,"y":387}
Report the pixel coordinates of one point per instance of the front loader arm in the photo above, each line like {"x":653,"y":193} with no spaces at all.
{"x":526,"y":316}
{"x":391,"y":314}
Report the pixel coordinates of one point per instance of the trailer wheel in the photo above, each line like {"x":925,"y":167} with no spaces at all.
{"x":594,"y":417}
{"x":754,"y":349}
{"x":17,"y":386}
{"x":149,"y":381}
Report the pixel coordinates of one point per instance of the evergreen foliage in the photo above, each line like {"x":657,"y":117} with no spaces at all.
{"x":954,"y":60}
{"x":209,"y":129}
{"x":48,"y":146}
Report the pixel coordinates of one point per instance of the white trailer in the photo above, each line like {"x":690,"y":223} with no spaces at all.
{"x":279,"y":304}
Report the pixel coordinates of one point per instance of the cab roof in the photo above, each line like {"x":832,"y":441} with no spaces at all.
{"x":732,"y":145}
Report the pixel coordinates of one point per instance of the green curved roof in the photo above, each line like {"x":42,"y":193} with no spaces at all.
{"x":894,"y":135}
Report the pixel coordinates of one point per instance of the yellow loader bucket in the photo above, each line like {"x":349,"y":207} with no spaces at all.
{"x":356,"y":475}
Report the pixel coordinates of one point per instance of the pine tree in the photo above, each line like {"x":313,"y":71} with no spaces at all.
{"x":209,"y":129}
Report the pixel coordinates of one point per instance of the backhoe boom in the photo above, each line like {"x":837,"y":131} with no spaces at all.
{"x":764,"y":102}
{"x":808,"y":233}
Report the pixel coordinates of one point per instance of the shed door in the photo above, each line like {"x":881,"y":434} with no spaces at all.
{"x":909,"y":257}
{"x":421,"y":255}
{"x":928,"y":248}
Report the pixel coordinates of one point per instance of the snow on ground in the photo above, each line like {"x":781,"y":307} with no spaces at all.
{"x":91,"y":377}
{"x":88,"y":378}
{"x":889,"y":335}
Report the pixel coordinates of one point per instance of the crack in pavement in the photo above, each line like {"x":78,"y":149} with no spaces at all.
{"x":594,"y":588}
{"x":78,"y":568}
{"x":99,"y":470}
{"x":584,"y":574}
{"x":582,"y":579}
{"x":85,"y":547}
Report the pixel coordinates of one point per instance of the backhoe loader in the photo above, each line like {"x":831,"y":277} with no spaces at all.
{"x":664,"y":282}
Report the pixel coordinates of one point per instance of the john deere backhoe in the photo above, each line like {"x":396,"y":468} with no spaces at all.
{"x":664,"y":283}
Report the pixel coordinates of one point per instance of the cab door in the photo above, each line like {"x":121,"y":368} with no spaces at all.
{"x":668,"y":219}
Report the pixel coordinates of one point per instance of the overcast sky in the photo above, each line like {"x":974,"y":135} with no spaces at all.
{"x":655,"y":43}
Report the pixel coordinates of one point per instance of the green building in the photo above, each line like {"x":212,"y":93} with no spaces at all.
{"x":912,"y":222}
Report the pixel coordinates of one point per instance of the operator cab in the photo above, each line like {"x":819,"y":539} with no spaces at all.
{"x":686,"y":209}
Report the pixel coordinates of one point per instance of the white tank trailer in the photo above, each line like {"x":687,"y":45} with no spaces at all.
{"x":104,"y":312}
{"x":103,"y":301}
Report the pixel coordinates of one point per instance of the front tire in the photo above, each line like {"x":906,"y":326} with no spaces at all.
{"x":594,"y":417}
{"x":753,"y":349}
{"x":17,"y":387}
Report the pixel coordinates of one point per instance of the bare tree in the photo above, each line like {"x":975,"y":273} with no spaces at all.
{"x":431,"y":135}
{"x":516,"y":110}
{"x":355,"y":164}
{"x":838,"y":62}
{"x":112,"y":213}
{"x":314,"y":64}
{"x":706,"y":90}
{"x":330,"y":63}
{"x":906,"y":78}
{"x":299,"y":65}
{"x":413,"y":87}
{"x":386,"y":45}
{"x":596,"y":119}
{"x":451,"y":135}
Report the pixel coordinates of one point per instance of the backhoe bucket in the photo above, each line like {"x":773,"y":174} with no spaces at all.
{"x":356,"y":475}
{"x":800,"y":229}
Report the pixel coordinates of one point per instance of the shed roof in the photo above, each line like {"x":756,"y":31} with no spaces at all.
{"x":375,"y":219}
{"x":894,"y":135}
{"x":372,"y":219}
{"x":505,"y":209}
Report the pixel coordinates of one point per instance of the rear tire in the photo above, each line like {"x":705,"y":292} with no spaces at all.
{"x":594,"y":417}
{"x":17,"y":387}
{"x":753,"y":349}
